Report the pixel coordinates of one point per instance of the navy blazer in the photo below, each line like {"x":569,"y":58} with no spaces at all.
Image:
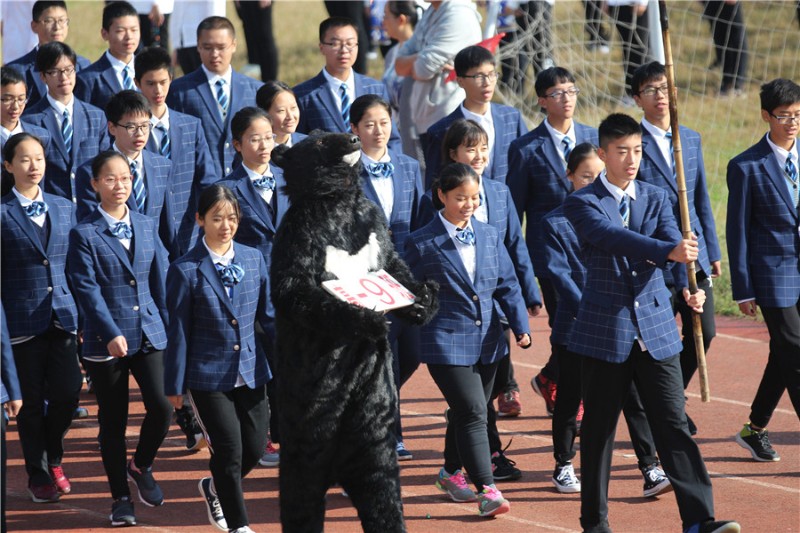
{"x":118,"y":296}
{"x":34,"y":282}
{"x":625,"y":296}
{"x":211,"y":335}
{"x":761,"y":230}
{"x":37,"y":89}
{"x":89,"y":138}
{"x":97,"y":83}
{"x":508,"y":126}
{"x":156,"y":181}
{"x":406,"y":214}
{"x":319,"y":110}
{"x":9,"y":381}
{"x":656,"y":170}
{"x":467,"y":327}
{"x":192,"y":95}
{"x":538,"y":182}
{"x":192,"y":171}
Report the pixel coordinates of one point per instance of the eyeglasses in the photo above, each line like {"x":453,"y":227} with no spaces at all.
{"x":255,"y":140}
{"x":58,"y":72}
{"x":558,"y":95}
{"x":63,"y":23}
{"x":133,"y":129}
{"x":110,"y":181}
{"x":339,"y":45}
{"x":11,"y":100}
{"x":786,"y":119}
{"x":209,"y":49}
{"x":482,"y":78}
{"x":651,"y":91}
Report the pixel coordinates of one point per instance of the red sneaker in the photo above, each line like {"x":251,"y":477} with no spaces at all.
{"x":43,"y":493}
{"x":60,"y":480}
{"x":508,"y":404}
{"x":546,"y":388}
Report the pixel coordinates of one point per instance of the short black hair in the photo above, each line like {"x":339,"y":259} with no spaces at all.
{"x":244,"y":118}
{"x":40,"y":6}
{"x":49,"y":54}
{"x":409,"y":8}
{"x":214,"y":194}
{"x":471,"y":57}
{"x":10,"y":148}
{"x":334,"y":22}
{"x":779,"y":92}
{"x":451,"y":177}
{"x":116,"y":10}
{"x":462,"y":131}
{"x":101,"y":159}
{"x":647,"y":72}
{"x":617,"y":126}
{"x":267,"y":93}
{"x":215,"y":23}
{"x":125,"y":102}
{"x":10,"y":76}
{"x":550,"y":78}
{"x":363,"y":103}
{"x":149,"y":59}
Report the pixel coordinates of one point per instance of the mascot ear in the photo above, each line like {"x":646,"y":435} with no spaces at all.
{"x":279,"y":155}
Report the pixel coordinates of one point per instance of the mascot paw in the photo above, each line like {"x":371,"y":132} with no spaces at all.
{"x":425,"y":305}
{"x":370,"y":324}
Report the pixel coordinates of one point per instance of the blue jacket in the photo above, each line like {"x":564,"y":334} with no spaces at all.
{"x":118,"y":296}
{"x":34,"y":282}
{"x":211,"y":335}
{"x":761,"y":230}
{"x":9,"y":382}
{"x":97,"y":83}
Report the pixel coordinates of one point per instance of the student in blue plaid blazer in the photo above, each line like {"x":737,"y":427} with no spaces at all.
{"x":116,"y":265}
{"x":325,"y":99}
{"x":625,"y":329}
{"x":463,"y":343}
{"x":477,"y":75}
{"x":42,"y":316}
{"x":764,"y":251}
{"x":215,"y":92}
{"x":218,"y":291}
{"x":11,"y":401}
{"x":392,"y":181}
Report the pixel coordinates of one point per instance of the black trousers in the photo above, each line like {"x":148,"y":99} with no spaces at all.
{"x":50,"y":379}
{"x":634,"y":33}
{"x":235,"y":425}
{"x":595,"y":30}
{"x":258,"y":34}
{"x":3,"y":485}
{"x":404,"y":340}
{"x":503,"y":382}
{"x":707,"y":324}
{"x":550,"y":299}
{"x":110,"y":381}
{"x":353,"y":10}
{"x":605,"y":389}
{"x":730,"y":41}
{"x":467,"y":390}
{"x":153,"y":35}
{"x":189,"y":59}
{"x":783,"y":365}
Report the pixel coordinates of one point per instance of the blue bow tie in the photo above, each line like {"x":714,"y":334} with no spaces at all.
{"x":380,"y":170}
{"x":121,"y":230}
{"x":34,"y":209}
{"x":466,"y":235}
{"x":265,"y":182}
{"x":230,"y":275}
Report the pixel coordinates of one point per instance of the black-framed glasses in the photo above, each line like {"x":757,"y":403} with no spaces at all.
{"x":340,"y":45}
{"x":58,"y":72}
{"x":558,"y":95}
{"x":11,"y":100}
{"x":482,"y":78}
{"x":133,"y":129}
{"x":786,"y":119}
{"x":651,"y":91}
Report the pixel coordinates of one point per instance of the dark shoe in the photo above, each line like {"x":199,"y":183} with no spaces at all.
{"x":757,"y":443}
{"x":79,"y":413}
{"x":655,"y":481}
{"x":213,"y":506}
{"x":60,"y":479}
{"x":195,"y":439}
{"x":719,"y":526}
{"x":47,"y":493}
{"x":122,"y":513}
{"x":402,"y":453}
{"x":503,"y":468}
{"x":564,"y":479}
{"x":547,"y":389}
{"x":149,"y":492}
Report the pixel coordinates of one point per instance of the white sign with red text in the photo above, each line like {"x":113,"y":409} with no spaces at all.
{"x":378,"y":291}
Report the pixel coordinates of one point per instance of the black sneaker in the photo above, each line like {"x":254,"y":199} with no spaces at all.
{"x":503,"y":468}
{"x":757,"y":443}
{"x":655,"y":481}
{"x":564,"y":479}
{"x":719,"y":526}
{"x":213,"y":506}
{"x":149,"y":492}
{"x":122,"y":513}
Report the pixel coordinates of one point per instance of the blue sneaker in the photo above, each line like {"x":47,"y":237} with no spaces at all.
{"x":149,"y":492}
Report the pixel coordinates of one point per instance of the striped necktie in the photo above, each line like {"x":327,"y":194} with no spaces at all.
{"x":567,"y":144}
{"x":127,"y":79}
{"x":345,"y":105}
{"x":791,"y":172}
{"x":165,"y":149}
{"x":222,"y":97}
{"x":672,"y":155}
{"x":139,"y":192}
{"x":624,"y":210}
{"x":66,"y":131}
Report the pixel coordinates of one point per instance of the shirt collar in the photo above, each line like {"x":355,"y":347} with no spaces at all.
{"x":480,"y":119}
{"x":224,"y":259}
{"x":335,"y":83}
{"x":615,"y":191}
{"x":27,"y":201}
{"x":452,"y":228}
{"x":654,"y":130}
{"x":126,"y":218}
{"x":139,"y":160}
{"x":782,"y":154}
{"x":212,"y":78}
{"x":253,"y":175}
{"x":558,"y":136}
{"x":367,"y":160}
{"x":118,"y":65}
{"x":163,"y":120}
{"x":6,"y":133}
{"x":59,"y":107}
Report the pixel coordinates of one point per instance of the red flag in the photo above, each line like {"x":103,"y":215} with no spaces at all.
{"x":490,"y":44}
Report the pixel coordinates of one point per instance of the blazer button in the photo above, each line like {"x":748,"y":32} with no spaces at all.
{"x":227,"y":170}
{"x":474,"y":297}
{"x":227,"y":145}
{"x":49,"y":289}
{"x":234,"y":322}
{"x":477,"y":322}
{"x":135,"y":307}
{"x":45,"y":262}
{"x":133,"y":282}
{"x":235,"y":347}
{"x":636,"y":305}
{"x":633,"y":273}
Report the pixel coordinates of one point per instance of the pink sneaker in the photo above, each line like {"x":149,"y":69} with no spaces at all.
{"x":491,"y":502}
{"x":61,"y":481}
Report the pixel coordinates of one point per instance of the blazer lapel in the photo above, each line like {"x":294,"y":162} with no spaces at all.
{"x":369,"y":188}
{"x":210,"y":99}
{"x":79,"y":126}
{"x":554,"y":160}
{"x":110,"y":78}
{"x":650,"y":147}
{"x":778,"y":178}
{"x":51,"y":124}
{"x":489,"y":200}
{"x":208,"y":270}
{"x":325,"y":97}
{"x":58,"y":224}
{"x":480,"y":251}
{"x":448,"y":247}
{"x":102,"y":229}
{"x":18,"y":213}
{"x":153,"y":186}
{"x":251,"y":196}
{"x":637,"y":209}
{"x":608,"y":202}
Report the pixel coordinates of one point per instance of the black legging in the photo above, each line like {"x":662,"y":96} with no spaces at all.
{"x":634,"y":33}
{"x":260,"y":39}
{"x":730,"y":41}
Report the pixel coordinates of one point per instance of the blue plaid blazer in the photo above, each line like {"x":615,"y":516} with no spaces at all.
{"x":34,"y":282}
{"x":625,"y":296}
{"x":26,"y":65}
{"x":192,"y":95}
{"x":192,"y":171}
{"x":97,"y":83}
{"x":566,"y":271}
{"x":406,"y":216}
{"x":656,"y":170}
{"x":211,"y":335}
{"x":538,"y":182}
{"x":89,"y":138}
{"x":9,"y":382}
{"x":761,"y":230}
{"x":467,"y":327}
{"x":318,"y":110}
{"x":118,"y":296}
{"x":508,"y":126}
{"x":156,"y":182}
